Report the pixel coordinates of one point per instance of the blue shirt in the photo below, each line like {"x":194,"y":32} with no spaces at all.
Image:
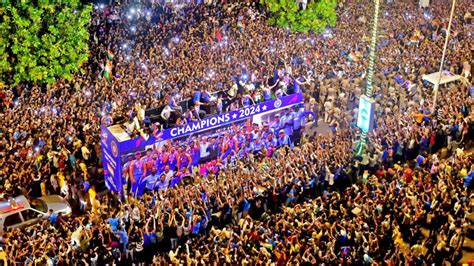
{"x":29,"y":260}
{"x":206,"y":97}
{"x":123,"y":237}
{"x":197,"y":96}
{"x":108,"y":107}
{"x":419,"y":160}
{"x":149,"y":181}
{"x":287,"y":122}
{"x":196,"y":228}
{"x":247,"y":205}
{"x":297,"y":117}
{"x":246,"y":100}
{"x":244,"y":151}
{"x":267,"y":95}
{"x":52,"y":218}
{"x":276,"y":126}
{"x":195,"y":156}
{"x":171,"y":103}
{"x":384,"y":155}
{"x":255,"y":147}
{"x":468,"y":179}
{"x":265,"y":134}
{"x":270,"y":142}
{"x":241,"y":139}
{"x":114,"y":222}
{"x":284,"y":141}
{"x":296,"y":86}
{"x":291,"y":194}
{"x":86,"y":186}
{"x":162,"y":184}
{"x":175,"y":181}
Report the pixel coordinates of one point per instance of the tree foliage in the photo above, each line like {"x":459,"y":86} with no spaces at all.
{"x":42,"y":40}
{"x":318,"y":15}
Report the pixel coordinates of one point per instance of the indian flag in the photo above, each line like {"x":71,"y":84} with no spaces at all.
{"x":353,"y":57}
{"x":414,"y":39}
{"x":110,"y":55}
{"x":108,"y":71}
{"x":259,"y":190}
{"x":267,"y":246}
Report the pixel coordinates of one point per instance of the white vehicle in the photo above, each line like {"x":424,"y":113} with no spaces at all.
{"x":20,"y":212}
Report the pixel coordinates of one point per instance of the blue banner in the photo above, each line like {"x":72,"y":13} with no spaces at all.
{"x":111,"y":161}
{"x":365,"y":117}
{"x":230,"y":117}
{"x":213,"y":122}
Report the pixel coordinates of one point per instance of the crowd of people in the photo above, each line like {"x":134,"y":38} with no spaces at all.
{"x":406,"y":200}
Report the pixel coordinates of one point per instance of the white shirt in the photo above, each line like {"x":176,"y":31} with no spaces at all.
{"x":411,"y":144}
{"x":165,"y":113}
{"x":203,"y":150}
{"x":141,"y":114}
{"x":328,"y":106}
{"x":136,"y":214}
{"x":250,"y":87}
{"x":76,"y":236}
{"x":169,"y":175}
{"x":85,"y":152}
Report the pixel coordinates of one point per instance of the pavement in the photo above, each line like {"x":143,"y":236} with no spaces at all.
{"x":321,"y":129}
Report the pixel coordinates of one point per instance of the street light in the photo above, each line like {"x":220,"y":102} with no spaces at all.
{"x":365,"y":119}
{"x":436,"y":85}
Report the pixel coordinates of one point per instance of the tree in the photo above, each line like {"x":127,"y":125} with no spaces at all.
{"x":318,"y":15}
{"x":41,"y":41}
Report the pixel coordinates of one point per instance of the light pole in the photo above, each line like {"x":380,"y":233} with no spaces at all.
{"x":448,"y":32}
{"x":362,"y":143}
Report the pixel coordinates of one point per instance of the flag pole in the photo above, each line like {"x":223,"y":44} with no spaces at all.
{"x":436,"y":85}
